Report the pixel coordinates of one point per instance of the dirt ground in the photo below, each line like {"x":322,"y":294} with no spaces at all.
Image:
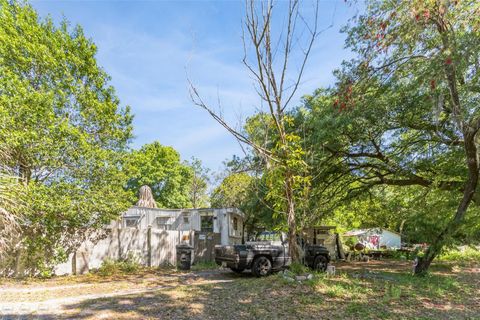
{"x":373,"y":290}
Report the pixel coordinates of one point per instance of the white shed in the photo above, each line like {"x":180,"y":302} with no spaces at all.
{"x":376,"y":238}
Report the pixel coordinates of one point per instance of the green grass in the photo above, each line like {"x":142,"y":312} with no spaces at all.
{"x":389,"y":295}
{"x":299,"y":268}
{"x":375,"y":290}
{"x":204,"y":265}
{"x":467,"y":255}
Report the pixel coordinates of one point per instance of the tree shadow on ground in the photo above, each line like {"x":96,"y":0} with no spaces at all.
{"x":188,"y":299}
{"x":227,"y":295}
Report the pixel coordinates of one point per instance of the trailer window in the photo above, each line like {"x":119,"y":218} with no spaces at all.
{"x":162,"y":223}
{"x":131,"y":222}
{"x":235,"y":224}
{"x":206,"y":223}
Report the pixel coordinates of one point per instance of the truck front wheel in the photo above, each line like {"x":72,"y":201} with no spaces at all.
{"x":261,"y":267}
{"x":320,"y":264}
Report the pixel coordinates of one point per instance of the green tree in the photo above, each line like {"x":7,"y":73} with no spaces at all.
{"x":160,"y":168}
{"x":199,"y":184}
{"x":247,"y":193}
{"x":232,"y":191}
{"x":416,"y":212}
{"x":405,"y":111}
{"x":65,"y":132}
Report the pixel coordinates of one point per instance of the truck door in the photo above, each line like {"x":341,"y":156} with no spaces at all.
{"x":286,"y":252}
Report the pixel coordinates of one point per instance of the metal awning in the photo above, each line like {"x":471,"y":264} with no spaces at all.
{"x":355,"y":233}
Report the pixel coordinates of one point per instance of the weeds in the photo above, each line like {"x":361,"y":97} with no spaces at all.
{"x":379,"y":295}
{"x":299,"y":268}
{"x":110,"y":267}
{"x":464,"y":255}
{"x":204,"y":265}
{"x":392,"y":292}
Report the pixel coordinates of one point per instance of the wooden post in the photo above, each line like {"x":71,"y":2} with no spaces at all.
{"x":74,"y":263}
{"x":340,"y":252}
{"x":149,"y":246}
{"x":18,"y":264}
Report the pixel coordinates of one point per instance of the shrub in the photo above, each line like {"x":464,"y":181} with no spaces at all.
{"x":129,"y":266}
{"x":108,"y":267}
{"x":399,"y":255}
{"x":350,"y":242}
{"x":464,"y":255}
{"x":298,"y":268}
{"x":111,"y":267}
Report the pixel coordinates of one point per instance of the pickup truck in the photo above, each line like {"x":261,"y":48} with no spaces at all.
{"x":268,"y":253}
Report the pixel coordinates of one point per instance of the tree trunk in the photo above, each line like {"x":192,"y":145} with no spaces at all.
{"x":400,"y":229}
{"x":434,"y":249}
{"x":292,"y":225}
{"x":470,"y":187}
{"x":25,"y":173}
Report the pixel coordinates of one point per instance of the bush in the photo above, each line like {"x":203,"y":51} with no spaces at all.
{"x":350,"y":242}
{"x":465,"y":255}
{"x":399,"y":255}
{"x":108,"y":267}
{"x":299,"y":269}
{"x":111,"y":267}
{"x":129,"y":266}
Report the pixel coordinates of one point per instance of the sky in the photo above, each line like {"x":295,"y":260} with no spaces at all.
{"x":151,"y":48}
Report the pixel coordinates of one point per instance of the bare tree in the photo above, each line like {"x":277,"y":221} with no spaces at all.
{"x":268,"y":56}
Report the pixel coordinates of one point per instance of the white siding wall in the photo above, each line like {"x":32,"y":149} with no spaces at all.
{"x":390,"y":239}
{"x":163,"y":246}
{"x":222,"y":221}
{"x":386,"y":238}
{"x":122,"y":241}
{"x":127,"y":242}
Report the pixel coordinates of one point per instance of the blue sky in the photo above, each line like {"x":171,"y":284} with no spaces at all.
{"x":149,"y":47}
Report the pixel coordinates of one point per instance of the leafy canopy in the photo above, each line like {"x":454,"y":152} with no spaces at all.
{"x":64,"y":130}
{"x":401,"y":122}
{"x":160,"y":168}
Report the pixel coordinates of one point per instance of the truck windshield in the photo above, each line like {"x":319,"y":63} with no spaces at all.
{"x":269,"y":236}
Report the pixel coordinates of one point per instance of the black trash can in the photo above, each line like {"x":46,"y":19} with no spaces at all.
{"x":184,"y":256}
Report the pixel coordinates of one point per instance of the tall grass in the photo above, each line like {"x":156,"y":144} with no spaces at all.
{"x":462,"y":255}
{"x":112,"y":267}
{"x":299,"y":268}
